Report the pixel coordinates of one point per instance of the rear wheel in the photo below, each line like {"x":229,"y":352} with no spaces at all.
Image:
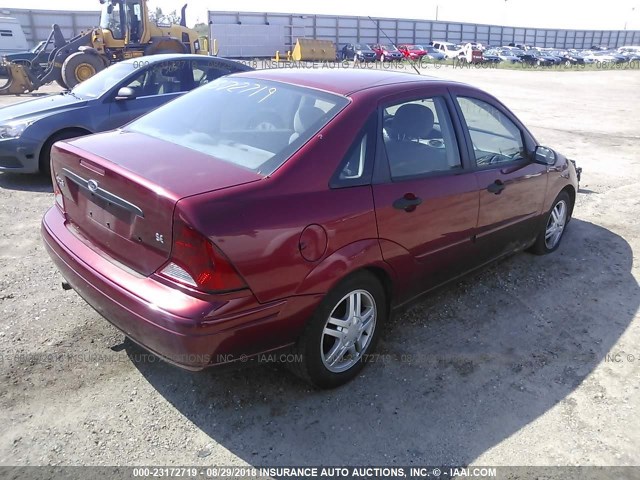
{"x":79,"y":67}
{"x":555,"y":222}
{"x":341,"y":332}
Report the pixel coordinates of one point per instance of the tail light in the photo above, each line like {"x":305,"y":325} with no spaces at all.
{"x":58,"y":183}
{"x":197,"y":263}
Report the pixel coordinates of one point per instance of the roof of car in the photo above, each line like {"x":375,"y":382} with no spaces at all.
{"x":341,"y":81}
{"x":163,"y":57}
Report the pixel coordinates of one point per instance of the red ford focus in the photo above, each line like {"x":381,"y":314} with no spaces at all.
{"x":277,"y":209}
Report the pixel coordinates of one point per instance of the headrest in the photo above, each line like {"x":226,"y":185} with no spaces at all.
{"x":305,"y":117}
{"x":412,"y":121}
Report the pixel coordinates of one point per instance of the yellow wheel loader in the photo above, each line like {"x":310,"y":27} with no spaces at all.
{"x":125,"y":32}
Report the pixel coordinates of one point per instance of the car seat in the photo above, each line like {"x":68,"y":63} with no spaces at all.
{"x":304,"y":118}
{"x":406,"y":154}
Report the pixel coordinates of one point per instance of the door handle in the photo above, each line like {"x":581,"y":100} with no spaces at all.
{"x":408,"y":202}
{"x":496,"y":187}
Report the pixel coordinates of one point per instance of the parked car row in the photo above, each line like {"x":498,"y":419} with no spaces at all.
{"x":474,"y":52}
{"x":549,"y":56}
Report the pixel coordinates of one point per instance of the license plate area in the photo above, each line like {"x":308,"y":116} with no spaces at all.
{"x":107,"y":214}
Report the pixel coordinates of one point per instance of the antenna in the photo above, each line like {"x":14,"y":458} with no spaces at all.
{"x":394,"y":45}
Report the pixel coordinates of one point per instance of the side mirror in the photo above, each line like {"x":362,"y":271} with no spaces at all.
{"x":125,"y":93}
{"x":544,"y":156}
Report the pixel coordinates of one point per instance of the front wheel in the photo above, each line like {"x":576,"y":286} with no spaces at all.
{"x":554,"y":226}
{"x":335,"y":343}
{"x":79,"y":67}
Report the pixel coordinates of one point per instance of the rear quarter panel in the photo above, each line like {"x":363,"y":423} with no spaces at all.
{"x":259,"y":226}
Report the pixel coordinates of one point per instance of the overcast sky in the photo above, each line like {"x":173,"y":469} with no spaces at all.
{"x":533,"y":13}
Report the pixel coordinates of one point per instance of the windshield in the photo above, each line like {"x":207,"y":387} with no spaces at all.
{"x":363,"y":47}
{"x":122,"y":17}
{"x":254,"y":124}
{"x":112,"y":18}
{"x":389,"y":48}
{"x":415,"y":47}
{"x":103,"y":81}
{"x":39,"y":45}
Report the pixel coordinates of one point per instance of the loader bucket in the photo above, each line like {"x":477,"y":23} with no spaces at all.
{"x":308,"y":49}
{"x":17,"y":82}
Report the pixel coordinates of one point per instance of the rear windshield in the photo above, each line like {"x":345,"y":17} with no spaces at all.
{"x":254,"y":124}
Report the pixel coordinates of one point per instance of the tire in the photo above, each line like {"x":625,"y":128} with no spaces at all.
{"x":44,"y":163}
{"x":79,"y":67}
{"x":317,"y":362}
{"x":558,"y":217}
{"x":60,"y":82}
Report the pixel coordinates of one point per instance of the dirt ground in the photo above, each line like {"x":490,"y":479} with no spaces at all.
{"x":507,"y":367}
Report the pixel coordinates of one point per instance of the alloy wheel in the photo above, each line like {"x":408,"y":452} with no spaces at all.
{"x":348,"y":331}
{"x":555,"y":224}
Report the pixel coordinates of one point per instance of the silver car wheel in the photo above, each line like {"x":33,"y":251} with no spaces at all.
{"x":555,"y":224}
{"x":348,"y":331}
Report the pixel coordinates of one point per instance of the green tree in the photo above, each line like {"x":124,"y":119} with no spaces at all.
{"x":158,"y":16}
{"x":202,"y":29}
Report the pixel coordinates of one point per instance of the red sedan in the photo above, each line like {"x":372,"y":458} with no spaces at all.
{"x":278,"y":209}
{"x":413,"y":52}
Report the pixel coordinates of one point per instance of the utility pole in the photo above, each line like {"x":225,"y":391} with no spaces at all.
{"x":504,"y":18}
{"x":633,"y":9}
{"x":437,"y":12}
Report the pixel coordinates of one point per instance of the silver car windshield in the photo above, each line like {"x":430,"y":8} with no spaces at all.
{"x":103,"y":81}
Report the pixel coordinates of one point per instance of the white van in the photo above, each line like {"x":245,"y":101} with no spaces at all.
{"x":12,"y":37}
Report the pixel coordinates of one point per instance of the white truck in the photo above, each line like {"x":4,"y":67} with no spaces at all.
{"x":12,"y":38}
{"x":450,"y":50}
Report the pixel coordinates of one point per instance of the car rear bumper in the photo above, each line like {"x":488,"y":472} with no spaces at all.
{"x":18,"y":155}
{"x":189,"y":332}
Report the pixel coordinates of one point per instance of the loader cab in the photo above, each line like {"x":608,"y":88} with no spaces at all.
{"x":125,"y":19}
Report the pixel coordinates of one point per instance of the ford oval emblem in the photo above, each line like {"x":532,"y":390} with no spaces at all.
{"x":92,"y":185}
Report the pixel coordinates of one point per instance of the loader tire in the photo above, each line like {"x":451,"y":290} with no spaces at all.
{"x":79,"y":67}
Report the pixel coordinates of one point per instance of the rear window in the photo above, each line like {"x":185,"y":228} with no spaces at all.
{"x":254,"y":124}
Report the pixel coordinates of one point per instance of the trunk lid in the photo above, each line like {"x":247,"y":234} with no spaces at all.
{"x":120,"y":190}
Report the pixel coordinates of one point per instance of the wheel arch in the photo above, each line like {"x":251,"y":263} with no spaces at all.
{"x":363,"y":255}
{"x":384,"y":277}
{"x":571,"y":191}
{"x":53,"y":137}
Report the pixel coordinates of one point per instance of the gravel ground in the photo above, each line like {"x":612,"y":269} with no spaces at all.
{"x":508,"y":366}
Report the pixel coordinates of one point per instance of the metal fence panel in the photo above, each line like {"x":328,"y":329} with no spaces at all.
{"x":350,"y":29}
{"x":249,"y":40}
{"x":36,"y":24}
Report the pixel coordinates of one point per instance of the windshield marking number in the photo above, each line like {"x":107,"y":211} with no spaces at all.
{"x":246,"y":87}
